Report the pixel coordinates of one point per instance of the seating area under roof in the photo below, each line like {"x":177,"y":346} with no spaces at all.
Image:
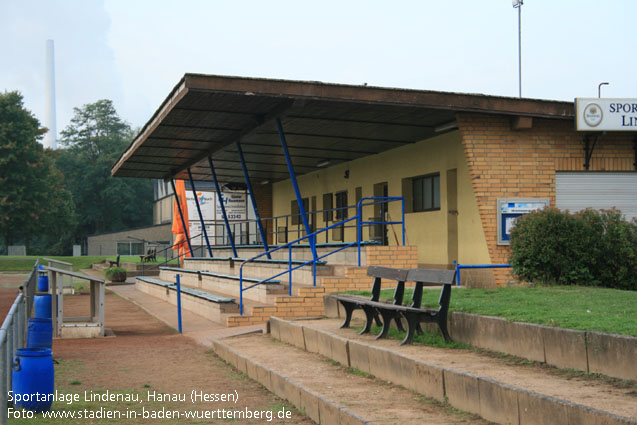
{"x":205,"y":115}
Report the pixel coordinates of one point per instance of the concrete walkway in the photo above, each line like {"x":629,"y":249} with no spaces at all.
{"x":198,"y":328}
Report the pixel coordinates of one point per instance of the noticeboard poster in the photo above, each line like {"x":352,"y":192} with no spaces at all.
{"x":206,"y":203}
{"x":235,"y":204}
{"x":509,"y":210}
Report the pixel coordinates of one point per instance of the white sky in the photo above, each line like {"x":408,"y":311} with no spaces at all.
{"x":135,"y":51}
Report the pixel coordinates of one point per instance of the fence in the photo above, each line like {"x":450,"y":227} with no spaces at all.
{"x":13,"y":336}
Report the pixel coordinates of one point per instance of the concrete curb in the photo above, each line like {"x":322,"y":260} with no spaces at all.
{"x":495,"y":401}
{"x":595,"y":352}
{"x":318,"y":408}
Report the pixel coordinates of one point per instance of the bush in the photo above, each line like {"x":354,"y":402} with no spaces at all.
{"x":115,"y":274}
{"x":588,"y":248}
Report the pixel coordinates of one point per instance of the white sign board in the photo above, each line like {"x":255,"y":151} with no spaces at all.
{"x":593,"y":114}
{"x":235,"y":204}
{"x":206,"y":203}
{"x":196,"y":230}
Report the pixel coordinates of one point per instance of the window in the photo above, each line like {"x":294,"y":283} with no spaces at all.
{"x":328,"y":204}
{"x":359,"y":195}
{"x":130,"y":248}
{"x":426,"y":193}
{"x":341,"y":205}
{"x":296,"y":212}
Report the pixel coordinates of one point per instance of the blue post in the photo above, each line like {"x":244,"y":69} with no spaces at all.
{"x":359,"y":232}
{"x":179,"y":303}
{"x":203,"y":225}
{"x":181,"y":214}
{"x":223,"y":208}
{"x":254,"y":202}
{"x":241,"y":291}
{"x":299,"y":199}
{"x":403,"y":203}
{"x":457,"y":266}
{"x":290,"y":270}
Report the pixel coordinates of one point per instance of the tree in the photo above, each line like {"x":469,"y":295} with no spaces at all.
{"x":32,"y":198}
{"x":94,"y":140}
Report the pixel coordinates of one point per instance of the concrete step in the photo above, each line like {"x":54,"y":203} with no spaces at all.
{"x":227,"y":284}
{"x":345,"y":256}
{"x":261,"y":269}
{"x":201,"y":304}
{"x":328,"y":393}
{"x":479,"y":383}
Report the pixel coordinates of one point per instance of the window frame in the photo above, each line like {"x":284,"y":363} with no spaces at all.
{"x":431,"y":178}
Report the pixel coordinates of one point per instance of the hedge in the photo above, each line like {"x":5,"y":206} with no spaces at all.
{"x":592,"y":248}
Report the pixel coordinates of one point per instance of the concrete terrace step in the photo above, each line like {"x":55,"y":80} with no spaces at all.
{"x":326,"y":392}
{"x":190,"y":291}
{"x":225,"y":283}
{"x":475,"y":382}
{"x":215,"y":307}
{"x":260,"y":269}
{"x":301,"y":252}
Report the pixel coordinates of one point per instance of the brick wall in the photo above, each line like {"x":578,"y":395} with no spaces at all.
{"x":507,"y":163}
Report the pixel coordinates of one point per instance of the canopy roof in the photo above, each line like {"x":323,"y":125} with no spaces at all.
{"x":205,"y":115}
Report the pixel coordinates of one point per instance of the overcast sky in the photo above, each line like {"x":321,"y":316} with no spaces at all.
{"x":135,"y":52}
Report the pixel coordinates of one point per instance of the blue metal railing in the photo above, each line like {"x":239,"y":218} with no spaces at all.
{"x":383,"y":201}
{"x":476,"y":266}
{"x":312,"y":239}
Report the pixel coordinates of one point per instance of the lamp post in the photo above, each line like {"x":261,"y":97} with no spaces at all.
{"x":517,"y":4}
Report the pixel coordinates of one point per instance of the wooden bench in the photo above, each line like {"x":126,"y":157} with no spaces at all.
{"x":151,"y":255}
{"x":115,"y":263}
{"x":414,"y":314}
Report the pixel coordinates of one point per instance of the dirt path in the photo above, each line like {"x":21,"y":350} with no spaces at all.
{"x":9,"y":282}
{"x":147,"y":356}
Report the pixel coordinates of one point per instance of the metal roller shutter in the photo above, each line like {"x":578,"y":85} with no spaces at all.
{"x":577,"y":191}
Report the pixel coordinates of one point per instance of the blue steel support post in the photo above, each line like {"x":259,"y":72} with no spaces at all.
{"x":181,"y":215}
{"x":179,"y":302}
{"x":299,"y":199}
{"x":223,"y":208}
{"x":254,"y":202}
{"x":203,"y":225}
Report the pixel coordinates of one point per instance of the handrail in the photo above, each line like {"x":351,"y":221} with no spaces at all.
{"x":312,"y":237}
{"x":157,"y":265}
{"x":476,"y":266}
{"x":13,"y":336}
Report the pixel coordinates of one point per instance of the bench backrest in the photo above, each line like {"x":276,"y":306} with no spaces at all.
{"x":430,"y":277}
{"x":387,"y":273}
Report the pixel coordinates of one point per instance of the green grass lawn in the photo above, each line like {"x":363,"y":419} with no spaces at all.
{"x":26,"y":263}
{"x":574,"y":307}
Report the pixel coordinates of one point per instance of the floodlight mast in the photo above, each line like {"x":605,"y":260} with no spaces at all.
{"x":517,"y":4}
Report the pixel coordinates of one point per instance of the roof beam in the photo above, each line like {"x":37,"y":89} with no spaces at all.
{"x":283,"y":107}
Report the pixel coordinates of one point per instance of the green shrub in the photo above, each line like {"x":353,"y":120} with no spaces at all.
{"x":588,"y":248}
{"x":115,"y":274}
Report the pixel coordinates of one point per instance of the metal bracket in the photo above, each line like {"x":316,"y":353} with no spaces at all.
{"x":588,"y":149}
{"x":635,"y":152}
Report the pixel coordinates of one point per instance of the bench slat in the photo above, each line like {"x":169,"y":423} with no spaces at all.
{"x":431,"y":277}
{"x":387,"y":273}
{"x":186,"y":290}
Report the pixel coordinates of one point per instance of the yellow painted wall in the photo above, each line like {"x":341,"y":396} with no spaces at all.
{"x":427,"y":230}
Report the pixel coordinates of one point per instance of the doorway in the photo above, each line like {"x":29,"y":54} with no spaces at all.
{"x":452,"y":216}
{"x":379,"y":231}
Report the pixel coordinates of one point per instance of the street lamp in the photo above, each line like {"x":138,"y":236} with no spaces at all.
{"x":517,"y":4}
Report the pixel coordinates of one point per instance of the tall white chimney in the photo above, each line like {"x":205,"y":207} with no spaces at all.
{"x":50,"y":140}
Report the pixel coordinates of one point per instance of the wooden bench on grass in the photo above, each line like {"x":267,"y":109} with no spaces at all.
{"x":414,"y":314}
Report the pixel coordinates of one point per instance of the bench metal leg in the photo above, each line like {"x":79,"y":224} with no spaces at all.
{"x":369,"y":318}
{"x":442,"y":324}
{"x":387,"y":318}
{"x":349,"y":310}
{"x":412,"y":324}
